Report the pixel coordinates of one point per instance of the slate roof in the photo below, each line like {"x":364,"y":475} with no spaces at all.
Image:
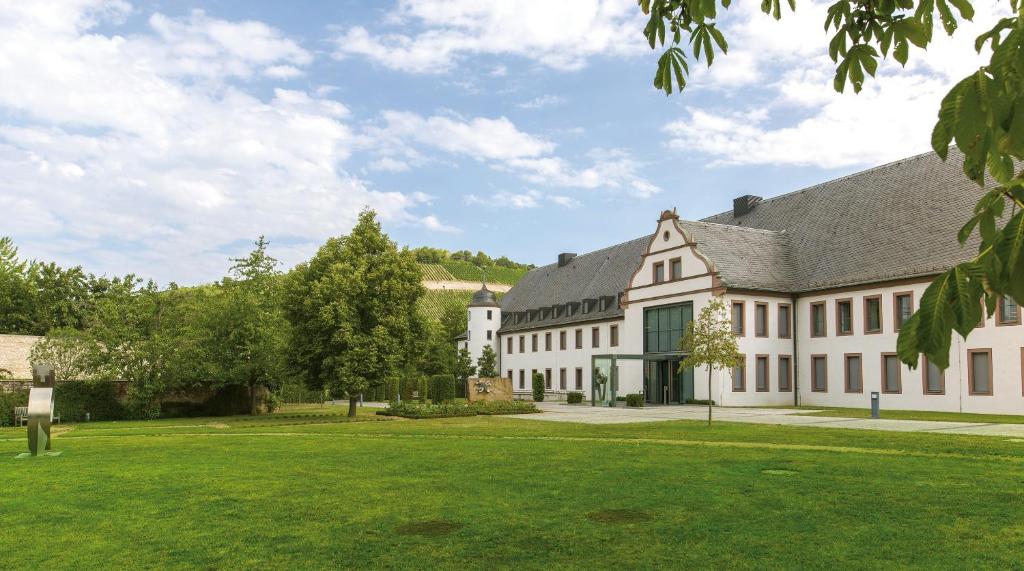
{"x":894,"y":221}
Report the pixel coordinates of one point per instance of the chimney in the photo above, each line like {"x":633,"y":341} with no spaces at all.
{"x":744,"y":204}
{"x":565,"y":258}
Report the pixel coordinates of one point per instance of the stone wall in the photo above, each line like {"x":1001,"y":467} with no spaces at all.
{"x":14,"y":352}
{"x":497,"y":389}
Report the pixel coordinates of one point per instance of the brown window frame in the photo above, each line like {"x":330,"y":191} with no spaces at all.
{"x":579,"y":379}
{"x":846,"y":372}
{"x":522,"y":379}
{"x":970,"y":373}
{"x":824,"y":314}
{"x":509,"y":371}
{"x":547,"y":379}
{"x":563,"y":379}
{"x":788,"y":321}
{"x":896,"y":325}
{"x":522,"y":343}
{"x":671,"y":266}
{"x":788,"y":388}
{"x":924,"y":379}
{"x":881,"y":315}
{"x":509,"y":345}
{"x":579,"y":338}
{"x":654,"y":273}
{"x":562,"y":340}
{"x":767,"y":373}
{"x":761,"y":305}
{"x":534,"y":345}
{"x":743,"y":317}
{"x":813,"y":371}
{"x":547,"y":341}
{"x":613,"y":335}
{"x":743,"y":376}
{"x":595,"y":337}
{"x":899,"y":375}
{"x":839,"y":320}
{"x":999,"y":314}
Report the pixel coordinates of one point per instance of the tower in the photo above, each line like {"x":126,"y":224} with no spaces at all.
{"x":484,"y":320}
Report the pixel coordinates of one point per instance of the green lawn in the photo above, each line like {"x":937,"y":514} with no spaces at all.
{"x":917,"y":415}
{"x":307,"y":489}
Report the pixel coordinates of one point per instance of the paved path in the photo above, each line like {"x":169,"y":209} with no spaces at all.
{"x":560,"y":412}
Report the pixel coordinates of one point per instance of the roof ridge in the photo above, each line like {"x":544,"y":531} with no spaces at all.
{"x":737,"y":227}
{"x":598,"y":251}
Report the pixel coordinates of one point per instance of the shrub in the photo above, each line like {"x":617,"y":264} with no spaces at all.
{"x":635,"y":400}
{"x":442,"y":388}
{"x":699,"y":401}
{"x":411,"y":410}
{"x":422,"y":390}
{"x":273,"y":402}
{"x":487,"y":408}
{"x":574,"y":397}
{"x":538,"y":387}
{"x":98,"y":398}
{"x":7,"y":403}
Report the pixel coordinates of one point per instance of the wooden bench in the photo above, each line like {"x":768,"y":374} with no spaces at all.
{"x":21,"y":415}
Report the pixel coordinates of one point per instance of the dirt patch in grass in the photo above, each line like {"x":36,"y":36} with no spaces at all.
{"x":779,"y":472}
{"x":619,"y":516}
{"x":429,"y":528}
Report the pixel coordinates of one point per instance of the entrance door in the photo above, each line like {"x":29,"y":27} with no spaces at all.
{"x":686,"y":380}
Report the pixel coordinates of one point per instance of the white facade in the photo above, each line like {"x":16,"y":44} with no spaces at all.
{"x":773,"y":353}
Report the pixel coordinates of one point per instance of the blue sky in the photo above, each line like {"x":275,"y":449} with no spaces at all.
{"x":162,"y":137}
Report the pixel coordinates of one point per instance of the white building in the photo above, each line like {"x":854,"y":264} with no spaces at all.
{"x":818,"y":280}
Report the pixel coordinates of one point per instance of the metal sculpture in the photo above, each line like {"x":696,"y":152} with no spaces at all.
{"x":40,"y":409}
{"x":483,"y":386}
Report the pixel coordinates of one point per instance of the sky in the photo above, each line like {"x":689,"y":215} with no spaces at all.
{"x":163,"y":137}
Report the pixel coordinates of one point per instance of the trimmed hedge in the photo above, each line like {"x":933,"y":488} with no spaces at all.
{"x":538,"y":387}
{"x":98,"y":398}
{"x":442,"y":388}
{"x":487,"y":408}
{"x":635,"y":400}
{"x":699,"y":401}
{"x":8,"y":401}
{"x":574,"y":397}
{"x":448,"y":410}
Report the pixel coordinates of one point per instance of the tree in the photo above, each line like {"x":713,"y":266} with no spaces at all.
{"x":983,"y":114}
{"x":464,"y":368}
{"x":709,"y":341}
{"x":66,"y":350}
{"x":487,"y":363}
{"x":353,"y":310}
{"x":248,"y":331}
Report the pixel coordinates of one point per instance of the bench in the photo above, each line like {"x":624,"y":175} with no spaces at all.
{"x":21,"y":416}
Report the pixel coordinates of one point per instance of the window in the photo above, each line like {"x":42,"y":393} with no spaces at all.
{"x":785,"y":321}
{"x":979,"y":371}
{"x":508,"y":343}
{"x":737,"y":318}
{"x":873,"y":314}
{"x":844,"y":317}
{"x":469,"y":315}
{"x":891,"y":367}
{"x":490,"y":335}
{"x":579,"y":379}
{"x":469,"y":335}
{"x":761,"y":373}
{"x":613,"y":334}
{"x":488,"y":314}
{"x":522,"y":343}
{"x":533,"y":342}
{"x":819,"y":373}
{"x":1008,"y":312}
{"x":508,"y":374}
{"x":561,"y":340}
{"x":853,"y":373}
{"x":659,"y":272}
{"x":739,"y":376}
{"x":785,"y":373}
{"x":664,"y":327}
{"x":595,"y":337}
{"x":934,"y":378}
{"x":561,"y":379}
{"x":902,"y":308}
{"x":760,"y":320}
{"x":547,"y":341}
{"x":819,"y":327}
{"x":522,"y":379}
{"x":675,"y":270}
{"x":579,"y":338}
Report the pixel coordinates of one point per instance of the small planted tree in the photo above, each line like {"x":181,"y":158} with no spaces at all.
{"x":464,"y":368}
{"x":487,"y":363}
{"x":538,"y":387}
{"x":710,"y":342}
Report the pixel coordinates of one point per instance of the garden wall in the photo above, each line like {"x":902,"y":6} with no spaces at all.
{"x":14,"y":352}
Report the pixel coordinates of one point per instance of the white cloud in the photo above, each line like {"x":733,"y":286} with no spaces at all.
{"x":431,"y":222}
{"x":541,"y":102}
{"x":479,"y":137}
{"x":561,"y":35}
{"x":388,"y":164}
{"x":611,"y":169}
{"x":780,"y":108}
{"x":520,"y":201}
{"x":161,"y":158}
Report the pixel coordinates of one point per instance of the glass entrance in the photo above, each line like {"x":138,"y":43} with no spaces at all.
{"x":665,"y":384}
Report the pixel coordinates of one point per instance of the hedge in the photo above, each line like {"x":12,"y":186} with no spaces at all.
{"x":635,"y":400}
{"x":8,"y":401}
{"x":538,"y":387}
{"x":97,"y":398}
{"x":574,"y":397}
{"x":487,"y":408}
{"x":448,"y":410}
{"x":442,"y":388}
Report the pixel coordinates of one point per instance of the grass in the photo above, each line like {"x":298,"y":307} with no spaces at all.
{"x":306,"y":488}
{"x":917,"y":415}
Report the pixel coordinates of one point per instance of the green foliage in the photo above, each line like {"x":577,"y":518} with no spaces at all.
{"x":635,"y":400}
{"x":422,"y":390}
{"x":498,"y":407}
{"x":67,"y":350}
{"x":436,"y":410}
{"x":464,"y":368}
{"x":710,"y":342}
{"x":436,"y":304}
{"x":538,"y":387}
{"x":442,"y":388}
{"x":8,"y":402}
{"x":467,"y":271}
{"x":574,"y":397}
{"x":98,"y":398}
{"x":983,"y":114}
{"x":486,"y":365}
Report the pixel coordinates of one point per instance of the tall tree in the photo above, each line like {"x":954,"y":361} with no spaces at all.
{"x":709,"y":342}
{"x":485,"y":365}
{"x":353,"y":307}
{"x":464,"y":368}
{"x":983,"y":114}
